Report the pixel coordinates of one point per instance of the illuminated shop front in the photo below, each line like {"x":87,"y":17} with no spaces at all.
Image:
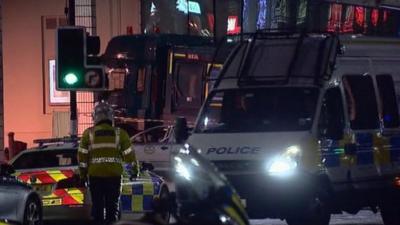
{"x":196,"y":17}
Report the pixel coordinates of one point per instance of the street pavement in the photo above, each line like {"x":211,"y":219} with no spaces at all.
{"x":362,"y":218}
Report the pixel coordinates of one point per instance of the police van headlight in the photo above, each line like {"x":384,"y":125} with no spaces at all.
{"x":282,"y":166}
{"x":181,"y":169}
{"x":286,"y":163}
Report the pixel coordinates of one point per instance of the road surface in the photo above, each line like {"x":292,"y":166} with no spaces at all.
{"x":362,"y":218}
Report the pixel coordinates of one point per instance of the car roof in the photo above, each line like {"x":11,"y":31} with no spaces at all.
{"x":54,"y":146}
{"x":48,"y":147}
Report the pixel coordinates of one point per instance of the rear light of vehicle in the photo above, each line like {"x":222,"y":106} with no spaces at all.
{"x":397,"y":182}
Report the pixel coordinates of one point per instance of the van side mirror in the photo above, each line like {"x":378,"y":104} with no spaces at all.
{"x":181,"y":130}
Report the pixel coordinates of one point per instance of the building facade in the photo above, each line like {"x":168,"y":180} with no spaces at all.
{"x":32,"y":107}
{"x":1,"y":82}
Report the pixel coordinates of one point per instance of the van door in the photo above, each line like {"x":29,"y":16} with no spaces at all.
{"x":364,"y":121}
{"x":331,"y":125}
{"x":387,"y":156}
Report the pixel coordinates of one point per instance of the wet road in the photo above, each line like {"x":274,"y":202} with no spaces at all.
{"x":362,"y":218}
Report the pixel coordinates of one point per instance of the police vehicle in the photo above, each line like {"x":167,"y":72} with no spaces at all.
{"x":154,"y":145}
{"x":51,"y":169}
{"x":203,"y":195}
{"x":306,"y":125}
{"x":19,"y":202}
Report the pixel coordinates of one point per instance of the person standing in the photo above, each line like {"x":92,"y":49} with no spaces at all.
{"x":102,"y":151}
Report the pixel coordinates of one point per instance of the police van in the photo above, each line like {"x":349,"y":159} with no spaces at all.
{"x":307,"y":125}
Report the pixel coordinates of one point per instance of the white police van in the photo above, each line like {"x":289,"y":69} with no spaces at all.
{"x":304,"y":126}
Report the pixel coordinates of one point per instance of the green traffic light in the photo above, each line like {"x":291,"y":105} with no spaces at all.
{"x":71,"y":79}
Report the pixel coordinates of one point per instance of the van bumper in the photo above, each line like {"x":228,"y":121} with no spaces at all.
{"x":274,"y":197}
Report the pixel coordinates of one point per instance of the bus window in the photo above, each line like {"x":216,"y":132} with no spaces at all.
{"x":361,"y":102}
{"x":189,"y":85}
{"x":387,"y":95}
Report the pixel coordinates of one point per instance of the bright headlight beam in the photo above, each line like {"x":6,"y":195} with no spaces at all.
{"x":279,"y":166}
{"x":282,"y":166}
{"x":182,"y":171}
{"x":293,"y":150}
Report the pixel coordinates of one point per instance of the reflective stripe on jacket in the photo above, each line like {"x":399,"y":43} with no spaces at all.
{"x":102,"y":151}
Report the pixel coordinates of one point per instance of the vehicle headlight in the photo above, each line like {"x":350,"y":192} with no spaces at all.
{"x":226,"y":220}
{"x":282,"y":166}
{"x":181,"y":169}
{"x":286,"y":163}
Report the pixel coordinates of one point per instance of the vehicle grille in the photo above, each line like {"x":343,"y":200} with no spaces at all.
{"x":238,"y":165}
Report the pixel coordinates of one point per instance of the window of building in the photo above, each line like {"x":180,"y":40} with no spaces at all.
{"x":193,"y":17}
{"x":361,"y":102}
{"x":85,"y":15}
{"x":387,"y":95}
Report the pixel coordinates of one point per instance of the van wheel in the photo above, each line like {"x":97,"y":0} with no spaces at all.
{"x":317,"y":213}
{"x":33,"y":212}
{"x":390,"y":213}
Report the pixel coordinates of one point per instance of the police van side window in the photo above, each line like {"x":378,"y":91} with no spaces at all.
{"x":331,"y":121}
{"x":387,"y":95}
{"x":361,"y":102}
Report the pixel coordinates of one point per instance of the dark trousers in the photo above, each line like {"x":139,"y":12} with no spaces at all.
{"x":105,"y":193}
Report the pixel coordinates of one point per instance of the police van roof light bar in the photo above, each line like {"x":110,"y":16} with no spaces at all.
{"x":44,"y":141}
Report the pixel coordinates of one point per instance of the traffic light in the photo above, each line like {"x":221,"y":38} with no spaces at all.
{"x":73,"y":71}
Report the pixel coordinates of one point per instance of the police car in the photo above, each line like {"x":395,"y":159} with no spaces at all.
{"x":52,"y":170}
{"x":19,"y":202}
{"x":203,"y":195}
{"x":154,"y":145}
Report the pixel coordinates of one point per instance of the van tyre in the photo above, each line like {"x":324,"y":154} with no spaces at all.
{"x":33,"y":212}
{"x":317,"y":213}
{"x":390,"y":212}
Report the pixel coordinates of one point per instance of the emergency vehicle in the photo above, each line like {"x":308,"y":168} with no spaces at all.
{"x":306,"y":125}
{"x":51,"y":169}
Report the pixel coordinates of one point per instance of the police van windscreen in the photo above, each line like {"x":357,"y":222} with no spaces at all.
{"x":259,"y":110}
{"x":35,"y":159}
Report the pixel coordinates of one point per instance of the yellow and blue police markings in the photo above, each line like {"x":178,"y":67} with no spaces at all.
{"x":138,"y":195}
{"x":234,"y":209}
{"x":370,"y":148}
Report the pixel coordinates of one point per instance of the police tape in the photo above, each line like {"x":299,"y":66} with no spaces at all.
{"x":139,"y":120}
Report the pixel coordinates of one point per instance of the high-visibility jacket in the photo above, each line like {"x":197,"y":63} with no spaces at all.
{"x":102,"y":151}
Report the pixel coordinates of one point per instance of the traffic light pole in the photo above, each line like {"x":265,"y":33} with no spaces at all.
{"x":73,"y":104}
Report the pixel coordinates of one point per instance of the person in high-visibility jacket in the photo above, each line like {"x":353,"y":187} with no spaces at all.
{"x":102,"y":151}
